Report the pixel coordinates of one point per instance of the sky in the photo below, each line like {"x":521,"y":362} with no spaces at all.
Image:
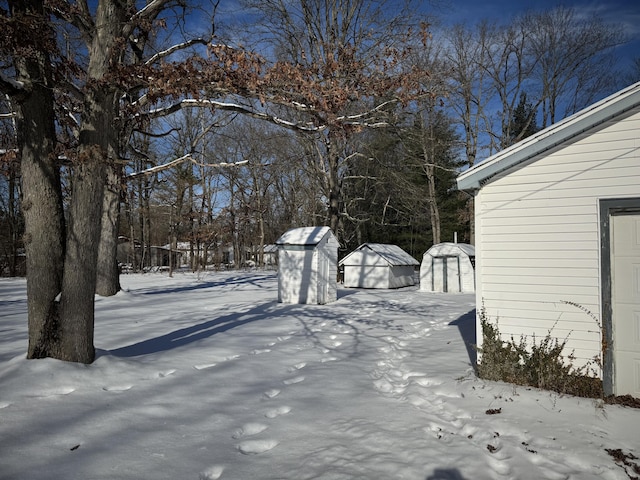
{"x":206,"y":376}
{"x":626,"y":13}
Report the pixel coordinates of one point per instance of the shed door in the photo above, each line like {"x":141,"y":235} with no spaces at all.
{"x":446,"y":274}
{"x":625,"y":303}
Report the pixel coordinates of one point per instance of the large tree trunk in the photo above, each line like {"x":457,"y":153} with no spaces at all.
{"x":80,"y":268}
{"x":42,"y":195}
{"x":98,"y":149}
{"x":108,"y":282}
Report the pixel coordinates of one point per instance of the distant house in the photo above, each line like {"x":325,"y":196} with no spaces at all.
{"x":448,"y":267}
{"x":270,"y":255}
{"x":307,"y":266}
{"x":378,"y":265}
{"x":557,"y":220}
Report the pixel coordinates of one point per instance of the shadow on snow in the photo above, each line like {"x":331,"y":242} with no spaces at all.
{"x":194,"y":333}
{"x":467,"y":326}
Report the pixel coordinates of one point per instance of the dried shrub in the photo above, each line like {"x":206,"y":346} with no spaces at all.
{"x":537,"y":364}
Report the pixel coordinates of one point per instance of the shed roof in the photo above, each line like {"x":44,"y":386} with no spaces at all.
{"x":551,"y":137}
{"x":391,"y":254}
{"x":303,"y":236}
{"x":450,"y":248}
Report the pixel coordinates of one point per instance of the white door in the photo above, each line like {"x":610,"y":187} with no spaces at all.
{"x":439,"y":273}
{"x":625,"y":303}
{"x":453,"y":274}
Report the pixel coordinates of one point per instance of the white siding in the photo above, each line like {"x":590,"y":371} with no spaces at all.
{"x":307,"y":271}
{"x":539,"y":241}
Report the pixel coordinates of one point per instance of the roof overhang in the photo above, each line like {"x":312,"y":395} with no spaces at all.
{"x":551,"y":137}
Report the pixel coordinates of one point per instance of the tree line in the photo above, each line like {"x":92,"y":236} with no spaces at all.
{"x":122,"y":119}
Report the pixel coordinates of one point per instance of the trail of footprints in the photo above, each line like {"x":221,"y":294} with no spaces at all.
{"x":251,"y":446}
{"x":448,"y":423}
{"x":251,"y":438}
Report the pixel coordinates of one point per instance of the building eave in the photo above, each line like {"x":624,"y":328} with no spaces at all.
{"x":551,"y":137}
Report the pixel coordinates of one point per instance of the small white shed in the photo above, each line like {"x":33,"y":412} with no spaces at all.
{"x":307,"y":266}
{"x":448,"y":267}
{"x":378,"y":265}
{"x":557,"y":220}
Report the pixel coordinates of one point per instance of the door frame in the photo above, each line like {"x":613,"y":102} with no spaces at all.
{"x":608,"y":208}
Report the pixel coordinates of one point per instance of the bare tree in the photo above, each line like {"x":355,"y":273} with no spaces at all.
{"x":575,"y":59}
{"x":346,"y":54}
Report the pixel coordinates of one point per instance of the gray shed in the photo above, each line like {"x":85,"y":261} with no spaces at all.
{"x":378,"y":265}
{"x":448,"y":267}
{"x":307,"y":266}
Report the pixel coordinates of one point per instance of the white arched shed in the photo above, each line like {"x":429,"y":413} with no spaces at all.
{"x":448,"y":267}
{"x":308,"y":266}
{"x":378,"y":265}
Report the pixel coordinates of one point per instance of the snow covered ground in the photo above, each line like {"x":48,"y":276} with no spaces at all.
{"x":206,"y":377}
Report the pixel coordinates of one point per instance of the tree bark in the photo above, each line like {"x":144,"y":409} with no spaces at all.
{"x":42,"y":195}
{"x":98,"y":148}
{"x":334,"y":194}
{"x":108,"y":282}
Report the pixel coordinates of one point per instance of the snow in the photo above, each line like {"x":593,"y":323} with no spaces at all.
{"x":303,"y":236}
{"x":207,"y":377}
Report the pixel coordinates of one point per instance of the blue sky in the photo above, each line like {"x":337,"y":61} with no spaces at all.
{"x":623,"y":12}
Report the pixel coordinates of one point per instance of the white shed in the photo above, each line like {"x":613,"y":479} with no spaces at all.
{"x":557,"y":220}
{"x":378,"y":265}
{"x":307,"y":266}
{"x":448,"y":267}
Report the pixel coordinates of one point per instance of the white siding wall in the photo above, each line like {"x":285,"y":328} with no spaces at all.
{"x":297,"y":275}
{"x":366,"y":276}
{"x":401,"y":276}
{"x":538,"y":236}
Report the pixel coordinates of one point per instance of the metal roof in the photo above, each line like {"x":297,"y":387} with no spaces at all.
{"x":391,"y":254}
{"x":450,"y":248}
{"x":304,"y":236}
{"x":551,"y":137}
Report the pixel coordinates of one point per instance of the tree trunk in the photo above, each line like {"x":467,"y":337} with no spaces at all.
{"x":41,"y":190}
{"x":334,"y":193}
{"x":108,"y":282}
{"x":434,"y":211}
{"x":80,"y":267}
{"x":98,"y":148}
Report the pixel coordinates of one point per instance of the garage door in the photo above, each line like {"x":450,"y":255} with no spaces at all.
{"x":625,"y":302}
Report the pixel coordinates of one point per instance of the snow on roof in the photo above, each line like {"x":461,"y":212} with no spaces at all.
{"x":451,"y":248}
{"x":391,"y":254}
{"x":303,"y":236}
{"x":551,"y":137}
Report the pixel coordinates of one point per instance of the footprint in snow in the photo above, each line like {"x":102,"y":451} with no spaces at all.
{"x":212,"y":473}
{"x":271,"y":393}
{"x":117,"y":388}
{"x":54,"y":392}
{"x":204,"y":366}
{"x":297,"y":366}
{"x":259,"y":351}
{"x":328,"y":359}
{"x":250,"y":429}
{"x":276,"y":412}
{"x":253,"y":447}
{"x":294,"y":380}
